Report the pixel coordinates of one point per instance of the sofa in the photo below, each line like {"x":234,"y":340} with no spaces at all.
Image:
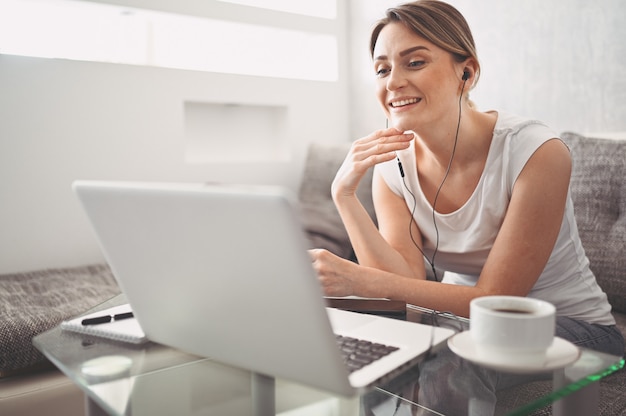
{"x":32,"y":302}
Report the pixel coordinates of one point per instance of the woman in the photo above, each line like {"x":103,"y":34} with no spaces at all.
{"x":481,"y":195}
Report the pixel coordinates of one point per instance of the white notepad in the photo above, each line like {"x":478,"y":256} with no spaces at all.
{"x":125,"y":330}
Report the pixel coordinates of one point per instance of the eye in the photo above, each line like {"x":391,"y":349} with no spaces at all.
{"x":416,"y":64}
{"x":382,"y":71}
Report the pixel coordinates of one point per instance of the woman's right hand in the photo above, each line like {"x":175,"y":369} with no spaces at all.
{"x":378,"y":147}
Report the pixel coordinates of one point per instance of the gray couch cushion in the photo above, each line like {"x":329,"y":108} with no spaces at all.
{"x":33,"y":302}
{"x":598,"y":187}
{"x":319,"y":215}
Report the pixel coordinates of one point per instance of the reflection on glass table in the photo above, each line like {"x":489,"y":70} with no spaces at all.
{"x":151,"y":379}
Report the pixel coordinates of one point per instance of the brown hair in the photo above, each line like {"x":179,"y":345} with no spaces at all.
{"x":435,"y":21}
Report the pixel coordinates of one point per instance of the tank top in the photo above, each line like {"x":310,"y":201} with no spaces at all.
{"x":467,"y":234}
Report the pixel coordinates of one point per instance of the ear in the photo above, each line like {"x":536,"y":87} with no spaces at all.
{"x":470,"y":71}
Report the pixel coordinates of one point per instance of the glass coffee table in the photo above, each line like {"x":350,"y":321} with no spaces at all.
{"x":152,"y":379}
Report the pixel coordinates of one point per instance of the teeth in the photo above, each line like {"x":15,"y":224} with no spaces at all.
{"x":402,"y":103}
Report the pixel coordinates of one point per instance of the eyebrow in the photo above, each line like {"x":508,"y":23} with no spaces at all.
{"x":403,"y":53}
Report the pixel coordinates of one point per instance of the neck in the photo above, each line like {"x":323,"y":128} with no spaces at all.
{"x":469,"y":143}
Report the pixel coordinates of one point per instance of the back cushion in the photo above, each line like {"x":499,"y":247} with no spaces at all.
{"x":598,"y":188}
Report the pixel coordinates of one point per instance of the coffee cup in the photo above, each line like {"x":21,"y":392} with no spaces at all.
{"x":512,"y":328}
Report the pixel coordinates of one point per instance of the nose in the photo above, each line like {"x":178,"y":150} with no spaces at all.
{"x":395,"y":80}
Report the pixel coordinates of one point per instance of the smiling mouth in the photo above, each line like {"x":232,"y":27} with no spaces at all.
{"x":402,"y":103}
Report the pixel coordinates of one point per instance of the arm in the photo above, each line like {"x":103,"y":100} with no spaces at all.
{"x":387,"y":247}
{"x":394,"y":218}
{"x":519,"y":255}
{"x":523,"y":245}
{"x":532,"y":223}
{"x":369,"y":245}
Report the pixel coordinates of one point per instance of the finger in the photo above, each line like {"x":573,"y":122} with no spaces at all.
{"x":381,"y":150}
{"x":383,"y":141}
{"x":390,"y":134}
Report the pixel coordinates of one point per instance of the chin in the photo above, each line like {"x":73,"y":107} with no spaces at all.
{"x":401,"y":125}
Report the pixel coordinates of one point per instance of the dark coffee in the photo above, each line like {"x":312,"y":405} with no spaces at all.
{"x":512,"y":310}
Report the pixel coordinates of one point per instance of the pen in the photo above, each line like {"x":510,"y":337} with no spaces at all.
{"x":106,"y":318}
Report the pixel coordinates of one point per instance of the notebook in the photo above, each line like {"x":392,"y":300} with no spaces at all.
{"x":222,"y":271}
{"x":125,"y":330}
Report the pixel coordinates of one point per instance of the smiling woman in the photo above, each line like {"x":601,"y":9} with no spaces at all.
{"x":465,"y":191}
{"x":481,"y":197}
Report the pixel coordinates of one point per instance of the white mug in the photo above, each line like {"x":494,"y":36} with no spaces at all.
{"x":512,"y":328}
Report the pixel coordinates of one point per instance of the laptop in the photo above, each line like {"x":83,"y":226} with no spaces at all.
{"x":222,"y":271}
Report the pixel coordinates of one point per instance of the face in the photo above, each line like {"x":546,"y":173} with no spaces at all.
{"x":418,"y":83}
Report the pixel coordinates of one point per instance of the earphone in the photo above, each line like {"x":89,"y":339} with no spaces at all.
{"x":431,"y":261}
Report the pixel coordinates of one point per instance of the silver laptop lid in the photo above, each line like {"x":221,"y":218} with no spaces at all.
{"x":219,"y":271}
{"x":223,"y":272}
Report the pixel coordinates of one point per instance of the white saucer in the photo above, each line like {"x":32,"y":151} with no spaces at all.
{"x":560,"y":354}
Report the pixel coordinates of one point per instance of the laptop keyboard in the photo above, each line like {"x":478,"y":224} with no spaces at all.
{"x":358,"y":353}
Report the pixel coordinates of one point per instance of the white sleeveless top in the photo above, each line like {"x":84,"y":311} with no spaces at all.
{"x":467,"y":235}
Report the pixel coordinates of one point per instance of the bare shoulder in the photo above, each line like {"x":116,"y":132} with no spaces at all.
{"x":546,"y":175}
{"x":552,"y":157}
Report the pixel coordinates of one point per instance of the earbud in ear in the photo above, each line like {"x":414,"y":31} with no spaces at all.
{"x":466,"y":75}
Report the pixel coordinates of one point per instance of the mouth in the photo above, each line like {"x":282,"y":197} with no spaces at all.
{"x":404,"y":102}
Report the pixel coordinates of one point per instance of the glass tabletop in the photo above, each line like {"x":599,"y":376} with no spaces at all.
{"x":152,"y":379}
